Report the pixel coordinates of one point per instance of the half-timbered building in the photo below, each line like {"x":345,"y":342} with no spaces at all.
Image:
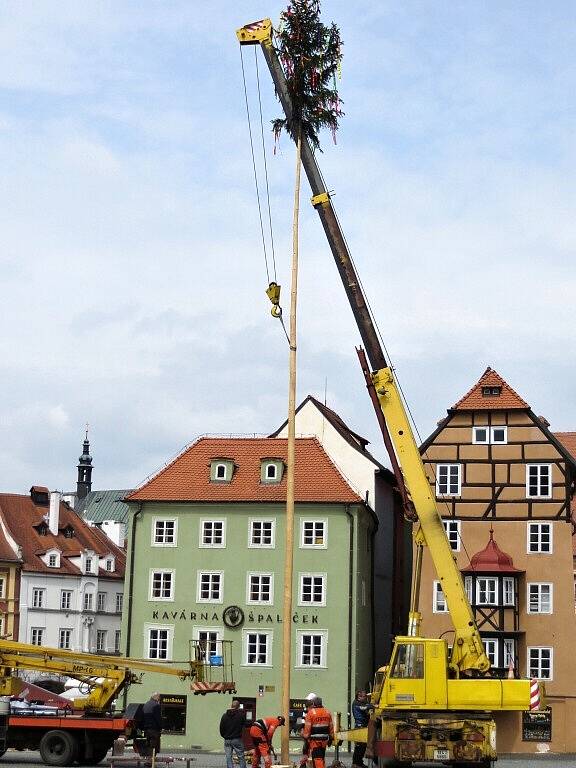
{"x":504,"y":484}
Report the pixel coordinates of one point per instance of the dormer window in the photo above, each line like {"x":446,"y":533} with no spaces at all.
{"x":88,"y":564}
{"x":68,"y":532}
{"x":491,"y":391}
{"x":271,"y":470}
{"x":221,"y":470}
{"x":54,"y":560}
{"x":109,"y":564}
{"x":42,"y":529}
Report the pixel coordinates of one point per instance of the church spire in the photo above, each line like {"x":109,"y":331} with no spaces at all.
{"x":84,"y":482}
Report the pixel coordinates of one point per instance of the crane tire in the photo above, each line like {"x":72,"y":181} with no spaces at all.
{"x":58,"y":748}
{"x":99,"y":752}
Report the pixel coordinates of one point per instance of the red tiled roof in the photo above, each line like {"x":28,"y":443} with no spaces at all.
{"x":474,"y":400}
{"x":491,"y":559}
{"x":568,"y":440}
{"x":187,"y":478}
{"x":23,"y":520}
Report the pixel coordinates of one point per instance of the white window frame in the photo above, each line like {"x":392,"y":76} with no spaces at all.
{"x":119,"y":604}
{"x":259,"y":575}
{"x":322,"y":634}
{"x":491,"y":650}
{"x":508,"y":591}
{"x":469,"y":589}
{"x":324,"y":583}
{"x":315,"y":521}
{"x":270,"y":465}
{"x":490,"y":584}
{"x":66,"y":599}
{"x":148,"y":630}
{"x":158,"y":531}
{"x":475,"y":440}
{"x":38,"y":597}
{"x":218,"y":636}
{"x":65,"y":640}
{"x":117,"y":640}
{"x":207,"y":522}
{"x":261,"y":520}
{"x":490,"y":432}
{"x":88,"y":600}
{"x":539,"y":668}
{"x":109,"y":565}
{"x":269,"y":634}
{"x":2,"y":587}
{"x":37,"y":635}
{"x":535,"y":595}
{"x":88,"y":564}
{"x":167,"y":576}
{"x":453,"y":530}
{"x":509,"y":645}
{"x":217,"y":467}
{"x":448,"y":467}
{"x":539,"y":467}
{"x":199,"y":598}
{"x":538,"y":529}
{"x":53,"y":560}
{"x":101,"y":634}
{"x":101,"y":601}
{"x":439,"y":604}
{"x":493,"y":440}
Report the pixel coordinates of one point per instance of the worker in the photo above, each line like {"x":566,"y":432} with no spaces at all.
{"x":232,"y":724}
{"x":261,"y":732}
{"x":152,"y":723}
{"x":361,"y":707}
{"x":318,"y":732}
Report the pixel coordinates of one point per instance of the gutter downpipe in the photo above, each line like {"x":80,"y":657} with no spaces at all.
{"x":130,"y":583}
{"x":350,"y":609}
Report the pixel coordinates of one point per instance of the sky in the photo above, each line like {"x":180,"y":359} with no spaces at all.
{"x":132,"y":269}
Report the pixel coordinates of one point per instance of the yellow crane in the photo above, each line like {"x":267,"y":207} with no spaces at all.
{"x":431,"y":704}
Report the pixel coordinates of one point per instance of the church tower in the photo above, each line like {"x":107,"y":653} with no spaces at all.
{"x":84,"y":482}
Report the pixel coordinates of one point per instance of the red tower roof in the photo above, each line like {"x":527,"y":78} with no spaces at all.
{"x":491,"y":559}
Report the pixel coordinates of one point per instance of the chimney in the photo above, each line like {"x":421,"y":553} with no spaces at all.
{"x":54,"y":514}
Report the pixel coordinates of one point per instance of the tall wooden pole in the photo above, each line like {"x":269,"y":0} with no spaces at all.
{"x":289,"y":545}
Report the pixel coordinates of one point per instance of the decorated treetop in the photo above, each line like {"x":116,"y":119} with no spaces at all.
{"x":310,"y":53}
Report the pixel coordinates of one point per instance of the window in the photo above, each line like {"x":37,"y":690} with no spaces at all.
{"x":210,"y":587}
{"x":539,"y":598}
{"x":491,"y":649}
{"x":88,"y":565}
{"x":448,"y":479}
{"x":119,"y":601}
{"x":258,"y":648}
{"x":117,"y":637}
{"x":468,"y":588}
{"x":491,"y":391}
{"x":109,"y":564}
{"x":209,"y":642}
{"x":161,"y":585}
{"x":88,"y":601}
{"x":313,"y":533}
{"x":101,"y":642}
{"x":164,"y":533}
{"x":262,"y":533}
{"x":101,"y":601}
{"x":508,"y":597}
{"x":540,"y":537}
{"x":37,"y":636}
{"x":53,"y":561}
{"x":409,"y":661}
{"x":38,"y":598}
{"x":2,"y":586}
{"x":539,"y":481}
{"x":212,"y":533}
{"x":271,"y":470}
{"x":492,"y":435}
{"x":260,"y":588}
{"x":486,"y":591}
{"x":65,"y":638}
{"x":439,"y":604}
{"x":159,"y":644}
{"x":312,"y":589}
{"x":509,"y":652}
{"x":221,"y":470}
{"x":311,"y":649}
{"x":66,"y":599}
{"x":540,"y":663}
{"x":452,"y":528}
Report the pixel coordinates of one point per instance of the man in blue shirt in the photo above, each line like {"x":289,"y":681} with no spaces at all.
{"x":361,"y":713}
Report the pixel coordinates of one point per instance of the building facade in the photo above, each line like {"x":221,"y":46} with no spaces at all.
{"x":504,"y":485}
{"x":206,"y":563}
{"x":71,"y":577}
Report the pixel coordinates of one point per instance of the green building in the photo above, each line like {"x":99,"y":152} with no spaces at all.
{"x":206,"y":562}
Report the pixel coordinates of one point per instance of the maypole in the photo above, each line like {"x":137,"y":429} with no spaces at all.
{"x":310,"y":53}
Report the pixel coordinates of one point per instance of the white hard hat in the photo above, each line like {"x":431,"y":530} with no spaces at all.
{"x":311,"y":696}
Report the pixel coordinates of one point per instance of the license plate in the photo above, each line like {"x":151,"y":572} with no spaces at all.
{"x":441,"y":754}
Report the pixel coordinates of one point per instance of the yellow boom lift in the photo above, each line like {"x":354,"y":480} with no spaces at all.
{"x":431,"y":704}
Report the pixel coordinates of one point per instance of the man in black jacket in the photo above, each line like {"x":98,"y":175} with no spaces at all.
{"x":152,"y":723}
{"x":232,"y":723}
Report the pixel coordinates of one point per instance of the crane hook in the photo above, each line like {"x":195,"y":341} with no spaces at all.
{"x":273,"y":293}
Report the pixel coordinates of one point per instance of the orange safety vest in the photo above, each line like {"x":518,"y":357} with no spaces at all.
{"x":318,"y":725}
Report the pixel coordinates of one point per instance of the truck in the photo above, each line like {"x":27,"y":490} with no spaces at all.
{"x":431,"y":702}
{"x":85,"y":730}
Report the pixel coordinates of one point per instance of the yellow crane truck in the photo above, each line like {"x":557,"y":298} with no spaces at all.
{"x":86,"y":730}
{"x":431,"y":703}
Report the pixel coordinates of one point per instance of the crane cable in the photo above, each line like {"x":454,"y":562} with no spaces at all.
{"x":273,"y":290}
